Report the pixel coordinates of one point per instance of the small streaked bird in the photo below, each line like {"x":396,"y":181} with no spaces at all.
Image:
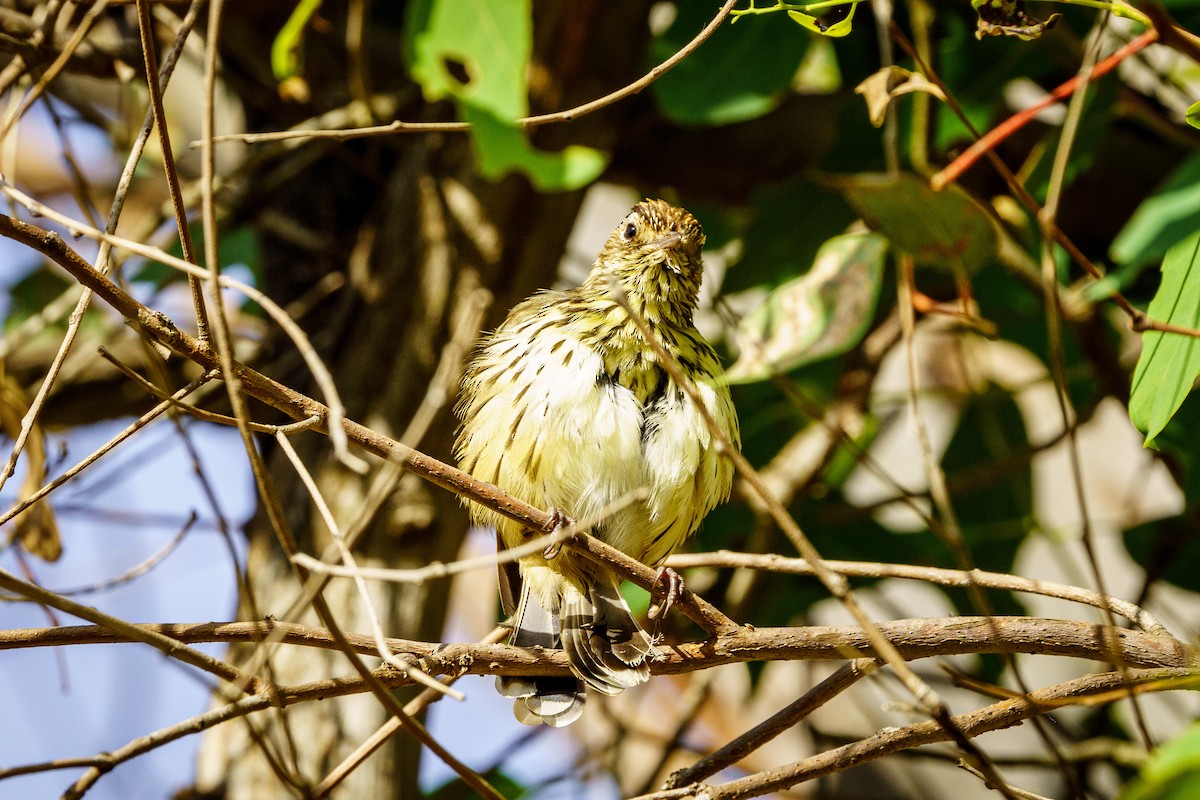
{"x":567,"y":407}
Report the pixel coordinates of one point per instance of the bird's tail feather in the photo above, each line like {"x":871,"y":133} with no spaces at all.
{"x":553,"y":700}
{"x":602,"y":641}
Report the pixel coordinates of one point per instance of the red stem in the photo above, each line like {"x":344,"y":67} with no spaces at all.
{"x":1014,"y":123}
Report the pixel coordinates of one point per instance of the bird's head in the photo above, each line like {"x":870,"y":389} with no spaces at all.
{"x":654,"y":256}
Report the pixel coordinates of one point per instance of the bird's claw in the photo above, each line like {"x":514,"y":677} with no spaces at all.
{"x":672,"y":583}
{"x":558,"y":520}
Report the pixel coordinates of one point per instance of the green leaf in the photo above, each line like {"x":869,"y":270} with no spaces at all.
{"x":780,"y":241}
{"x":1172,"y":772}
{"x":755,"y":60}
{"x":483,"y":66}
{"x":1169,"y":362}
{"x":455,"y":789}
{"x":30,"y":294}
{"x":238,"y":246}
{"x":818,"y":315}
{"x":946,"y":229}
{"x":482,"y":63}
{"x":990,"y":440}
{"x":284,"y":60}
{"x":1167,"y":549}
{"x":1193,"y":115}
{"x":1163,"y":218}
{"x":500,"y":148}
{"x":841,"y":27}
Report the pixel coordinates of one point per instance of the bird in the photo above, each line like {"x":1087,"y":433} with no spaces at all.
{"x":568,"y":407}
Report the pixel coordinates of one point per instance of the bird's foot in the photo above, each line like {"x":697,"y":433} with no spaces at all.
{"x":672,"y":583}
{"x":558,"y":520}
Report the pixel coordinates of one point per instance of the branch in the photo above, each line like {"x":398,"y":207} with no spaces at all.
{"x":916,"y":638}
{"x":567,"y":115}
{"x":161,"y":329}
{"x":912,"y":638}
{"x":942,"y":577}
{"x":997,"y":716}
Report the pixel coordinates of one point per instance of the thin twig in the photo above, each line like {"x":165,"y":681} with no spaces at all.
{"x":523,"y":122}
{"x":1020,"y":794}
{"x":147,"y":634}
{"x":351,"y":563}
{"x":787,"y":717}
{"x":1047,"y":220}
{"x":137,"y":425}
{"x":437,"y":569}
{"x":988,"y":142}
{"x":935,"y":575}
{"x":137,"y":570}
{"x":196,"y":411}
{"x":390,"y":727}
{"x":997,"y":716}
{"x":146,"y":32}
{"x":320,"y":372}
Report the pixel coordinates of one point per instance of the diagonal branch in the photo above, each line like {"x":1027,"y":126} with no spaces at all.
{"x":160,"y":328}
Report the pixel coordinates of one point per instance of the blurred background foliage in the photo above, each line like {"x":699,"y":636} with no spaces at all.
{"x":823,"y":233}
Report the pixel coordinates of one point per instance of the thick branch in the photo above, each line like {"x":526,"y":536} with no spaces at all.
{"x":913,"y":638}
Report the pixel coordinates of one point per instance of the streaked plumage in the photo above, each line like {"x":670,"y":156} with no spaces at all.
{"x":565,"y":406}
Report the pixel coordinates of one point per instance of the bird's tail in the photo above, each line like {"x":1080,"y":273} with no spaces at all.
{"x":554,"y":700}
{"x":602,"y":641}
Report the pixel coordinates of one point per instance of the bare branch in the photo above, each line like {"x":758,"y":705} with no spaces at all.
{"x":942,"y":577}
{"x":912,"y":638}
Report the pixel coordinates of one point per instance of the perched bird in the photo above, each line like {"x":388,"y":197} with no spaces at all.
{"x":567,"y":407}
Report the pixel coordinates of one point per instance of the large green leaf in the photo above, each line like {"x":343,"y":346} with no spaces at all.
{"x":477,"y":53}
{"x":821,"y":314}
{"x":1163,"y":218}
{"x":945,"y":229}
{"x":788,"y":224}
{"x":740,"y":73}
{"x":1172,"y":773}
{"x":1169,"y":362}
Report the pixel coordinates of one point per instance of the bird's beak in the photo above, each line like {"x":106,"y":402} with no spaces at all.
{"x":668,"y":242}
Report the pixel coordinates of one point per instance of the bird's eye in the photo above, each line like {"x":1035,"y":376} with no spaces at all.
{"x":629,"y":232}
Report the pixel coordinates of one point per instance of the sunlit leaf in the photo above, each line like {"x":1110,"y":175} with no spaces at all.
{"x":818,"y":315}
{"x":502,"y":147}
{"x":889,"y":83}
{"x":1193,"y":115}
{"x":1169,"y":362}
{"x":484,"y":66}
{"x":286,"y":44}
{"x":823,"y":26}
{"x":945,"y":229}
{"x":1171,"y":773}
